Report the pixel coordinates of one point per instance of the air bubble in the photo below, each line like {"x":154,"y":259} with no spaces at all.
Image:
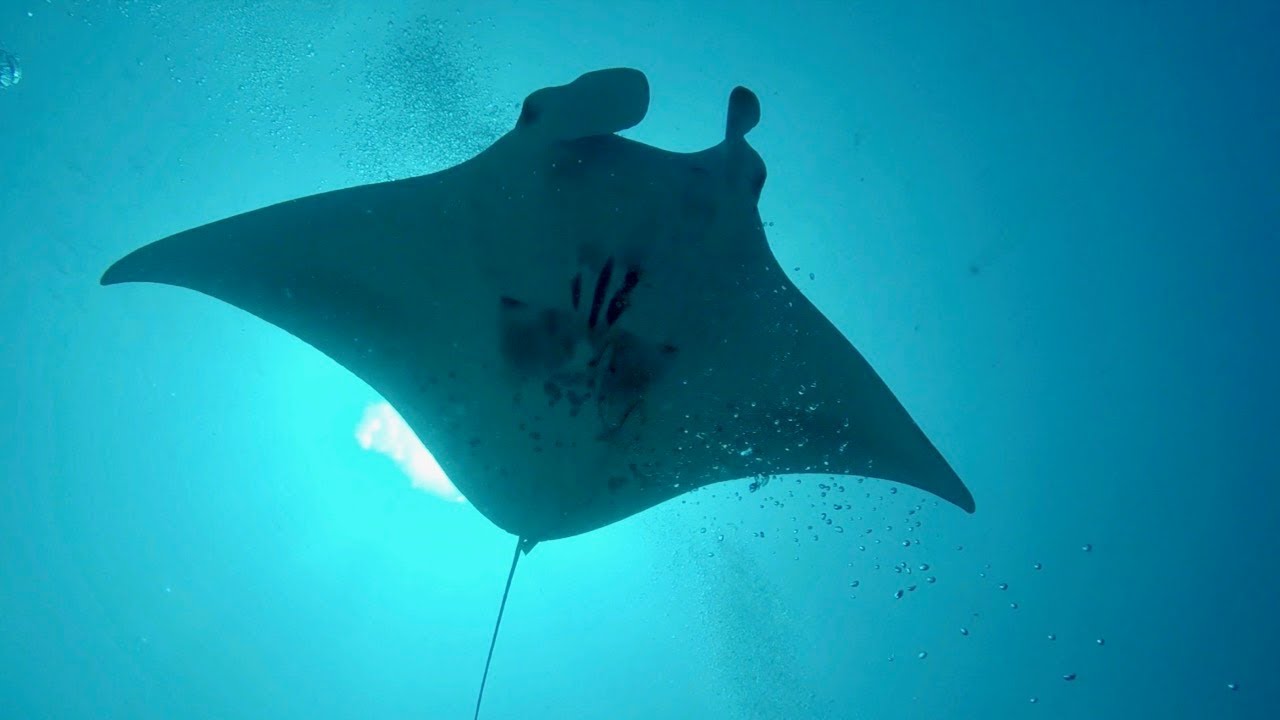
{"x":10,"y":70}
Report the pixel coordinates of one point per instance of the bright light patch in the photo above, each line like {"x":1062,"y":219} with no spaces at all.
{"x":382,"y":430}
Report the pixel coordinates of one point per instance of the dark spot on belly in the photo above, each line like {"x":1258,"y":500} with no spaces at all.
{"x":553,"y":391}
{"x":602,"y":285}
{"x":536,"y":342}
{"x":576,"y":401}
{"x":622,"y":299}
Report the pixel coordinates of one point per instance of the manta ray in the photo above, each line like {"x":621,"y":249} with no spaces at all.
{"x":578,"y":325}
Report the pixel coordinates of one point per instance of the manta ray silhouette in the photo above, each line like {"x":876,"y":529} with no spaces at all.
{"x":579,"y":326}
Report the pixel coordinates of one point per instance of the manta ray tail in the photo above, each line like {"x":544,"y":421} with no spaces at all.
{"x":523,"y":545}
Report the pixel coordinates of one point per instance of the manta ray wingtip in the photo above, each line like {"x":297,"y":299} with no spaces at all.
{"x":946,"y":484}
{"x":115,"y":274}
{"x":954,"y":491}
{"x":170,"y":261}
{"x":134,"y":267}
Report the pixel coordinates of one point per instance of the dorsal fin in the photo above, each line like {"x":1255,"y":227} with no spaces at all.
{"x":522,"y":545}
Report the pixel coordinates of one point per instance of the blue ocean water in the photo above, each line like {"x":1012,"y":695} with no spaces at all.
{"x":1052,"y":230}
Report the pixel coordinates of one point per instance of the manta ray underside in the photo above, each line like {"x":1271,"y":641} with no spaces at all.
{"x":579,"y":326}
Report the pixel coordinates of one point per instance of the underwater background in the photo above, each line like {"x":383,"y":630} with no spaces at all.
{"x":1053,"y":229}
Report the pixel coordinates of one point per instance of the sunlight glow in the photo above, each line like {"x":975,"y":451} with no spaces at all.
{"x":382,"y":430}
